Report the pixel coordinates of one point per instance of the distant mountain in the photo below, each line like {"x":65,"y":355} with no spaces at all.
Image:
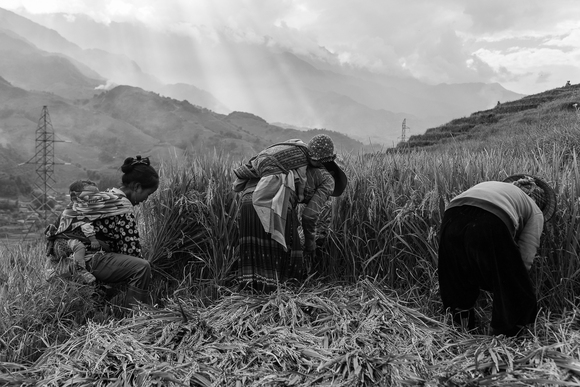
{"x":30,"y":68}
{"x":192,"y":94}
{"x":110,"y":69}
{"x":188,"y":126}
{"x":98,"y":123}
{"x":90,"y":139}
{"x":96,"y":134}
{"x":277,"y":85}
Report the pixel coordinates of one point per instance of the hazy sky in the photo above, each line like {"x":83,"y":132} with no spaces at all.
{"x":528,"y":46}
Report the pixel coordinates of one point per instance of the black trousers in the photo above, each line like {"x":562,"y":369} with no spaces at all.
{"x":477,"y":251}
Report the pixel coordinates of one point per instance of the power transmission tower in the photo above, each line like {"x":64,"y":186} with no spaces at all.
{"x":404,"y":130}
{"x":44,"y":160}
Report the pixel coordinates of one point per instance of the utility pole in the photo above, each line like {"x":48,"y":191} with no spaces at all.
{"x":404,"y":129}
{"x":44,"y":160}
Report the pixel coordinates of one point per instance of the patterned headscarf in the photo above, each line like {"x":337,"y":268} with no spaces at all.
{"x":321,"y":148}
{"x":529,"y":186}
{"x":538,"y":190}
{"x":89,"y":204}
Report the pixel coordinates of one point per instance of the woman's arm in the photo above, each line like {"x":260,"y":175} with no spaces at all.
{"x":319,"y":186}
{"x":529,"y":239}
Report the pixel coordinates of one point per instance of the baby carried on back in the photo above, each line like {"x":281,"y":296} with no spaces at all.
{"x":71,"y":240}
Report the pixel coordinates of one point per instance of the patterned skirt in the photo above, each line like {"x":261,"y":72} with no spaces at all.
{"x":263,"y":262}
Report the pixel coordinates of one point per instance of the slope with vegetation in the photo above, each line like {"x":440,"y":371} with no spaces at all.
{"x":504,"y":117}
{"x":102,"y":130}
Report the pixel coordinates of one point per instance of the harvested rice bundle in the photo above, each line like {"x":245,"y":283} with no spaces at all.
{"x":358,"y":335}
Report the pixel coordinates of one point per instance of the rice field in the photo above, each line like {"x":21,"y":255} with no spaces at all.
{"x":371,"y":316}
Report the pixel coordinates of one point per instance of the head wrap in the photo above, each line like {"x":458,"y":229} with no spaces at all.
{"x":321,"y":148}
{"x":537,"y":189}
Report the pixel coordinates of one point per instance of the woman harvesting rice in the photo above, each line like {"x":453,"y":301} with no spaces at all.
{"x":489,"y":237}
{"x":113,"y":219}
{"x":272,"y":184}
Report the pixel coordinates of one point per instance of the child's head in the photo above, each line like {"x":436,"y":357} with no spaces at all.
{"x":80,"y":186}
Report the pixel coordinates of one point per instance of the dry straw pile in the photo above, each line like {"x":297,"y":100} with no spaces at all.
{"x":354,"y":335}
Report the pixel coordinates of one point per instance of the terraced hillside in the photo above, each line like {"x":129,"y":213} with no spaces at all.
{"x":526,"y":111}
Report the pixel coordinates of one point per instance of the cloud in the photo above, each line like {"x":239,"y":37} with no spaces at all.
{"x":543,"y":77}
{"x":532,"y":69}
{"x":497,"y":15}
{"x":106,"y":86}
{"x":437,"y":41}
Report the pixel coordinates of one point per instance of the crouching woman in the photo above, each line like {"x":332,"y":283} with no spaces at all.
{"x":114,"y":223}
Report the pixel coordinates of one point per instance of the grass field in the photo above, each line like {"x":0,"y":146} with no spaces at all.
{"x":372,"y":318}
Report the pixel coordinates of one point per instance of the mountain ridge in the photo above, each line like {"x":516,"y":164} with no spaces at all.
{"x":98,"y":133}
{"x":102,"y":122}
{"x":276,"y":84}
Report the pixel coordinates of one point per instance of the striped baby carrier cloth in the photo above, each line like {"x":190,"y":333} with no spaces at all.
{"x":278,"y":158}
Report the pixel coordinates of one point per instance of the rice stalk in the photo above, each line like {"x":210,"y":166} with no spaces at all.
{"x":174,"y":220}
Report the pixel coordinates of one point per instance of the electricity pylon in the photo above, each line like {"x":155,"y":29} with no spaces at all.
{"x":44,"y":160}
{"x":404,"y":130}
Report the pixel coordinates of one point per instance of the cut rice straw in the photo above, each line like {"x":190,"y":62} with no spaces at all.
{"x":355,"y":335}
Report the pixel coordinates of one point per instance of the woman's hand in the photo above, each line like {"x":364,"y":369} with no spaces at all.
{"x":104,"y":246}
